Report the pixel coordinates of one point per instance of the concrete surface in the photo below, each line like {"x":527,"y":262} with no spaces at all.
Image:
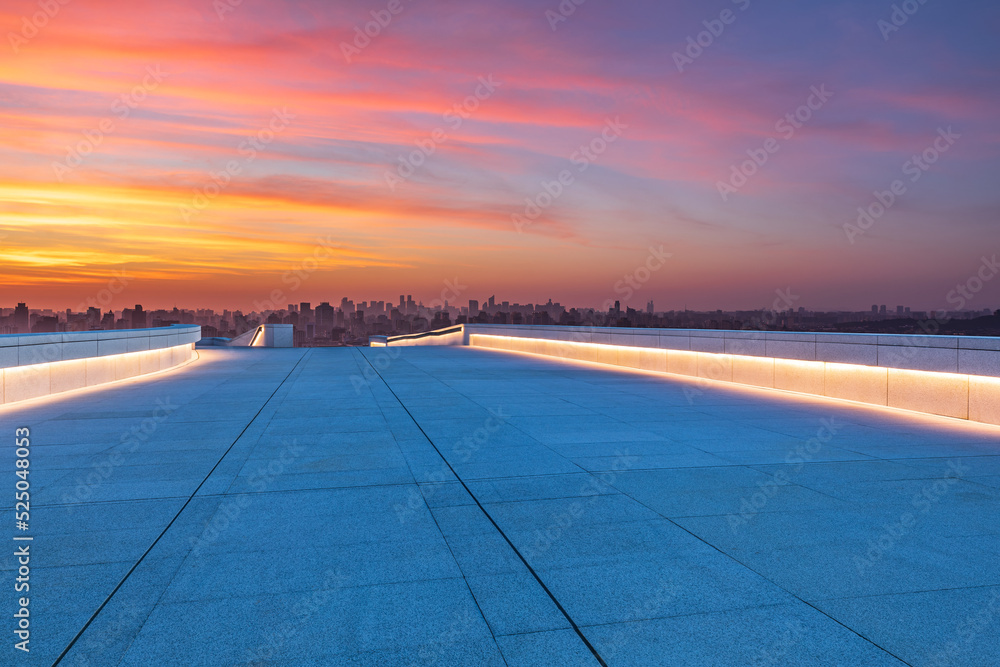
{"x":288,"y":507}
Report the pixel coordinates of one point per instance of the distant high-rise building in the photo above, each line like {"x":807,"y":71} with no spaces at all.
{"x":875,"y":308}
{"x":882,"y":309}
{"x":649,"y":307}
{"x":325,"y":314}
{"x":46,"y":324}
{"x":138,"y":317}
{"x":473,"y":307}
{"x":899,"y":310}
{"x":21,"y":319}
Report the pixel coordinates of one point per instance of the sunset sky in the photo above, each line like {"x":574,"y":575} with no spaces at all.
{"x":116,"y":115}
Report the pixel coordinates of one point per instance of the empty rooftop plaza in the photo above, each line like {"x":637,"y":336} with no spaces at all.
{"x":463,"y":506}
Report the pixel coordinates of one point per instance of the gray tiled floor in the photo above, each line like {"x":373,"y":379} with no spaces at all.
{"x":285,"y":512}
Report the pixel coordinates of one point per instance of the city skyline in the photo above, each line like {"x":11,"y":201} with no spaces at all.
{"x":843,"y":150}
{"x":352,"y":323}
{"x":783,"y":300}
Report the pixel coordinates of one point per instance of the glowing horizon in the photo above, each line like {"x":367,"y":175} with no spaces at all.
{"x":217,"y":151}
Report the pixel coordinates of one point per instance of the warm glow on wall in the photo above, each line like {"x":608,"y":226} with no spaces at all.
{"x":956,"y":395}
{"x":20,"y":383}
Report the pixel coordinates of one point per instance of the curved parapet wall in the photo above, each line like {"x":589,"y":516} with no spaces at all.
{"x":264,"y":335}
{"x":273,"y":335}
{"x":448,"y":336}
{"x":955,"y":376}
{"x":34,"y":365}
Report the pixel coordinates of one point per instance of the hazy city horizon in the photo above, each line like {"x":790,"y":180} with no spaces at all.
{"x":351,"y":323}
{"x":779,"y":300}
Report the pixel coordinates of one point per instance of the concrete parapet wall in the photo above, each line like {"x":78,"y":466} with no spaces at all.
{"x":273,"y":335}
{"x":969,"y":355}
{"x":455,"y":335}
{"x":952,"y":376}
{"x":36,"y":365}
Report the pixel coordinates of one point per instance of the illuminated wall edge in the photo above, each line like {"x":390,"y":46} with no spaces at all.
{"x":20,"y":383}
{"x":37,"y":365}
{"x":971,"y":397}
{"x":432,"y":338}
